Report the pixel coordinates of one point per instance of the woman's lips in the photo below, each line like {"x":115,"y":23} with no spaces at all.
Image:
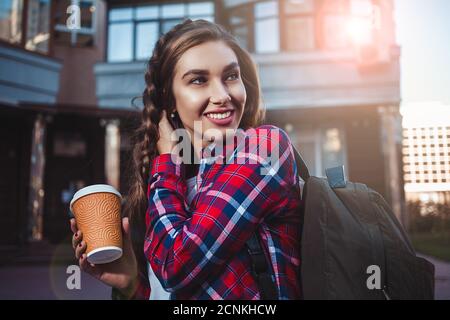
{"x":224,"y":121}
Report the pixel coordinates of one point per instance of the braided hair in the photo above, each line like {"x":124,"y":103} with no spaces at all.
{"x":158,"y":96}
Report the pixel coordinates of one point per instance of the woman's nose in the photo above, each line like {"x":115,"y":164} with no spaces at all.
{"x":219,"y":94}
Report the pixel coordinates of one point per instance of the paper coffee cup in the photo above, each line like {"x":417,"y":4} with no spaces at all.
{"x":97,"y":212}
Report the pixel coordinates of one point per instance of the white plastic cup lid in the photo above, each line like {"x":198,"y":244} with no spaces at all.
{"x":93,"y":189}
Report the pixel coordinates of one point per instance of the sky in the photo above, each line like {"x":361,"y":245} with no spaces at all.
{"x":423,"y":32}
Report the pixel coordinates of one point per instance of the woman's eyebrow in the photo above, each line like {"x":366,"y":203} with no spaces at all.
{"x":230,"y":66}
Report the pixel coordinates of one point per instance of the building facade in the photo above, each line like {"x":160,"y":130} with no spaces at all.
{"x":426,"y":153}
{"x":329,"y":73}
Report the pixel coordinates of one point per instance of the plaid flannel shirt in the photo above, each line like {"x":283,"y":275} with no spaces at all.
{"x":198,"y":250}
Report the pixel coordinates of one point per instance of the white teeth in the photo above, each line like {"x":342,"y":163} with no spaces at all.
{"x":219,"y":115}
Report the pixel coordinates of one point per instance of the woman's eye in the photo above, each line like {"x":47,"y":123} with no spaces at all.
{"x":233,"y":76}
{"x":201,"y":80}
{"x":198,"y":80}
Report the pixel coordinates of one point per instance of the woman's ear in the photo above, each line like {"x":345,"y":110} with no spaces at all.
{"x":174,"y":119}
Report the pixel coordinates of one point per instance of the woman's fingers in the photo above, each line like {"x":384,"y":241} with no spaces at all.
{"x":128,"y":247}
{"x":93,"y":270}
{"x":165,"y":143}
{"x":76,"y":239}
{"x":73,"y":225}
{"x":80,"y":249}
{"x":126,"y":227}
{"x":84,"y":264}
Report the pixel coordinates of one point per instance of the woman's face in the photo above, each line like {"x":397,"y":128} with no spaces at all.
{"x":208,"y":90}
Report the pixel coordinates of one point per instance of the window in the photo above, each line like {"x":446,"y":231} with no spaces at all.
{"x":332,"y":148}
{"x":334,"y":15}
{"x":133,"y":31}
{"x":267,"y":31}
{"x":321,"y":148}
{"x":299,"y":24}
{"x":38,"y":18}
{"x":82,"y":36}
{"x":36,"y":36}
{"x":274,"y":26}
{"x":256,"y":25}
{"x":120,"y":42}
{"x":264,"y":26}
{"x":11,"y":21}
{"x":241,"y":25}
{"x":146,"y":37}
{"x":334,"y":36}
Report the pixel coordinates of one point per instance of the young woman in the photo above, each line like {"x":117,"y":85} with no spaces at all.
{"x":189,"y":221}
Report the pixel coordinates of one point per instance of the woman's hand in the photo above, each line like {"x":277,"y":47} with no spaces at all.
{"x":165,"y":143}
{"x":121,"y":274}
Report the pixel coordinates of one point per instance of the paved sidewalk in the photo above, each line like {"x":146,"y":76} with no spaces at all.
{"x":39,"y":271}
{"x":47,"y":282}
{"x":442,"y":277}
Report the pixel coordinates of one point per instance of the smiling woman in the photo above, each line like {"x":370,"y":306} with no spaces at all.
{"x":190,"y":224}
{"x":209,"y":90}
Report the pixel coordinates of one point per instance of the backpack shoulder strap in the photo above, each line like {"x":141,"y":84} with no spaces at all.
{"x":302,"y":169}
{"x":261,"y":269}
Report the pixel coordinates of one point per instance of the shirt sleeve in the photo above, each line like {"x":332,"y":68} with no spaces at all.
{"x":186,"y":247}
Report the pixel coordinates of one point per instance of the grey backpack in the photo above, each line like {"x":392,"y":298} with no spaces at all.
{"x":352,"y":245}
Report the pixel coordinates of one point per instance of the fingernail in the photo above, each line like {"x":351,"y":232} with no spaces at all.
{"x":76,"y":234}
{"x":80,"y":245}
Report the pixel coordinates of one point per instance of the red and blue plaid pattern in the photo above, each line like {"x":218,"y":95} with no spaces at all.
{"x":198,"y":250}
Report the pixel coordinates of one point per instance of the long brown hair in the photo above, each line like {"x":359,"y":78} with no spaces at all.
{"x":158,"y":96}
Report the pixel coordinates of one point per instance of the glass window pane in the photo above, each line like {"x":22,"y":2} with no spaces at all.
{"x":267,"y":36}
{"x":146,"y":37}
{"x":298,"y":6}
{"x":87,"y":10}
{"x":266,"y":9}
{"x":120,"y":42}
{"x":201,"y":8}
{"x":241,"y":15}
{"x":335,"y":6}
{"x":172,"y":10}
{"x":241,"y":34}
{"x":38,"y":18}
{"x":11,"y":20}
{"x":167,"y":25}
{"x":119,"y":14}
{"x":332,"y":149}
{"x":334,"y":33}
{"x":361,"y":7}
{"x":300,"y":33}
{"x":147,"y":12}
